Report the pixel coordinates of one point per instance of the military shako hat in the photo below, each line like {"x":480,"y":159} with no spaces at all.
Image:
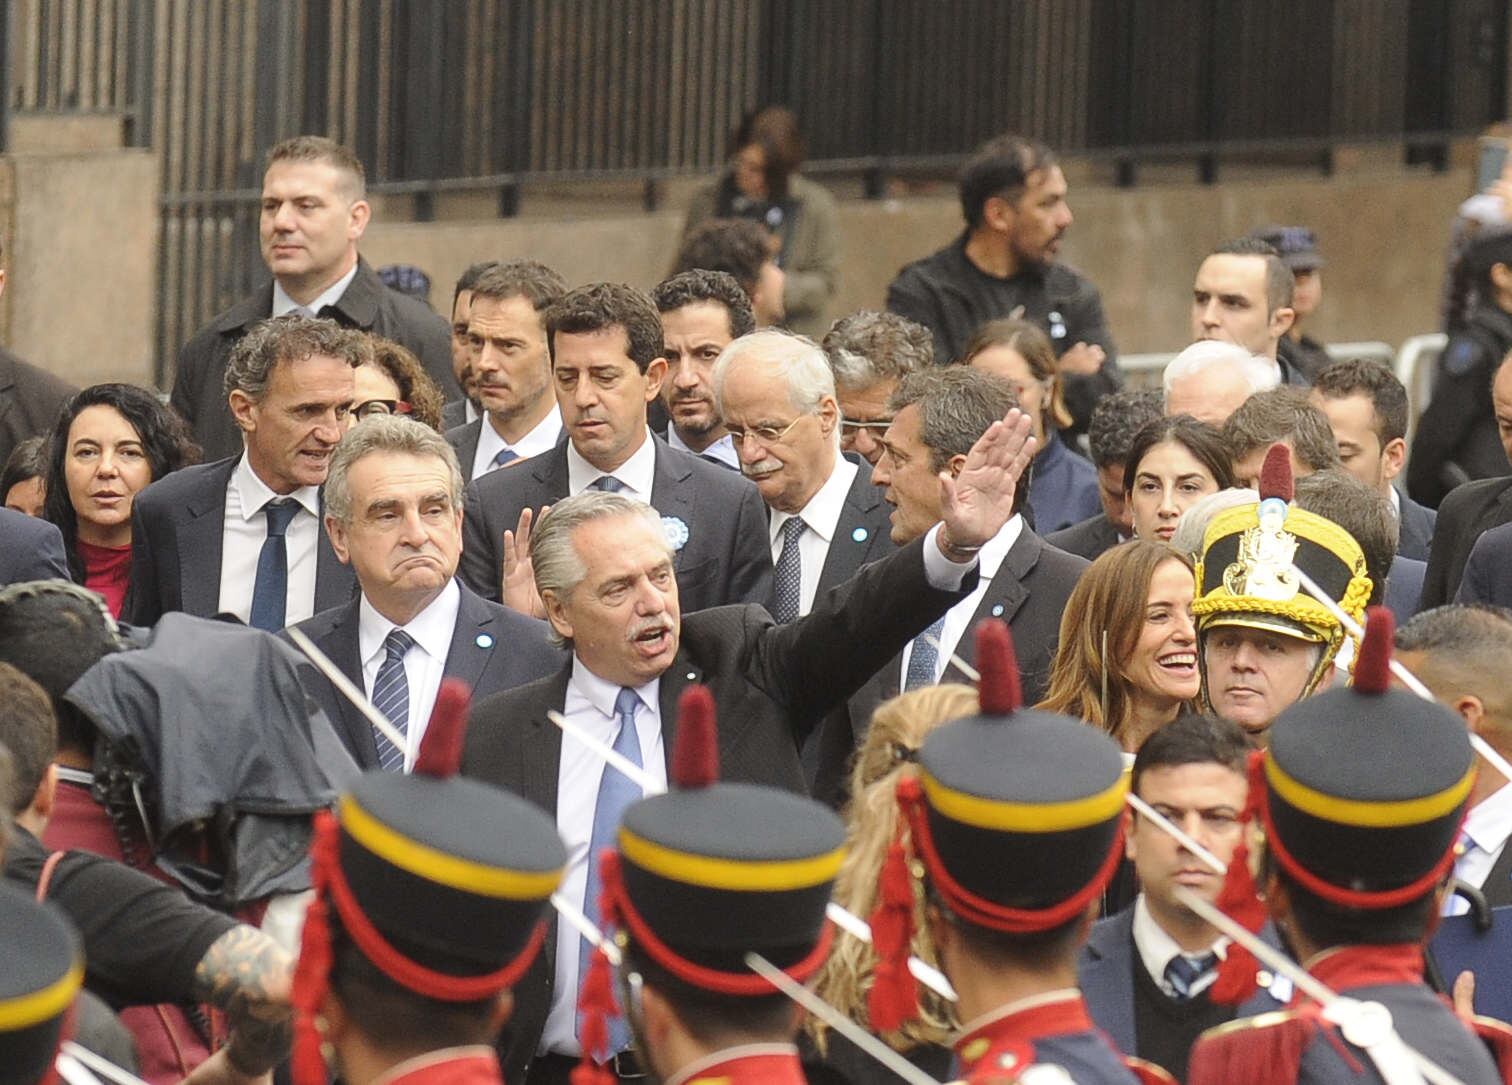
{"x":39,"y":980}
{"x":710,"y":871}
{"x":441,"y":882}
{"x":1363,"y":789}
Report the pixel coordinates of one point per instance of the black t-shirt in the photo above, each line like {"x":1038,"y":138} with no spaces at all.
{"x":142,"y":938}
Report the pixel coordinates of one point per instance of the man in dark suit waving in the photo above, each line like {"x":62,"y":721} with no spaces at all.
{"x":394,"y":514}
{"x":604,"y":568}
{"x":314,"y":212}
{"x":607,"y":365}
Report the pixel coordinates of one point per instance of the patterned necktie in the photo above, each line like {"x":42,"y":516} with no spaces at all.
{"x":924,"y":657}
{"x":790,"y":571}
{"x":270,"y":591}
{"x":615,"y":793}
{"x":506,"y":455}
{"x":1183,"y":973}
{"x":391,"y":697}
{"x":607,"y":483}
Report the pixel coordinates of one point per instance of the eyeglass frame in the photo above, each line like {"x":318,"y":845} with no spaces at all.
{"x":853,"y":425}
{"x":395,"y":406}
{"x":766,"y":440}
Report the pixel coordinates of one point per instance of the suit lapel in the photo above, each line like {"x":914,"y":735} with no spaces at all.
{"x":678,"y":677}
{"x":671,"y":495}
{"x":335,"y":583}
{"x":852,"y":541}
{"x":344,"y":649}
{"x":1107,"y":978}
{"x":541,"y":745}
{"x":474,"y":641}
{"x":1004,"y":596}
{"x":199,"y":539}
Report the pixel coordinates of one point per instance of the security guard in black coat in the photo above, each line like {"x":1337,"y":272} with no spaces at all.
{"x":1457,"y":438}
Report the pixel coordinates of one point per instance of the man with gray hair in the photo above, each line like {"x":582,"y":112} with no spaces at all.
{"x":394,"y":514}
{"x":869,"y":353}
{"x":314,"y":213}
{"x":826,"y":519}
{"x":1211,"y":378}
{"x":604,"y":569}
{"x":243,"y":535}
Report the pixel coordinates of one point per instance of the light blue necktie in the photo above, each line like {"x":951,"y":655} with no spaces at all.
{"x":924,"y":657}
{"x":270,"y":591}
{"x":615,"y":794}
{"x":391,"y":697}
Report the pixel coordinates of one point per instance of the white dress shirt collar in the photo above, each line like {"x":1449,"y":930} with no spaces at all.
{"x":822,"y":513}
{"x":1489,"y":823}
{"x":637,"y":473}
{"x":541,"y":438}
{"x":282,"y":303}
{"x":255,"y":493}
{"x":601,"y":693}
{"x":722,"y":450}
{"x":1157,"y":949}
{"x":432,"y":628}
{"x":1396,"y":501}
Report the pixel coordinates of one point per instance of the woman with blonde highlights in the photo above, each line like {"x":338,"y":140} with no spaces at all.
{"x":1127,"y":660}
{"x":898,"y":729}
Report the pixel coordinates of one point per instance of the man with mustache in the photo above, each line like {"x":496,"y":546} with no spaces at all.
{"x":604,"y":568}
{"x":1013,"y":195}
{"x":509,"y":367}
{"x":701,"y":312}
{"x":608,"y":365}
{"x":394,"y":513}
{"x":243,"y":535}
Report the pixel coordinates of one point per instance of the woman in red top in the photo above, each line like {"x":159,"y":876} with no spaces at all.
{"x":110,"y":441}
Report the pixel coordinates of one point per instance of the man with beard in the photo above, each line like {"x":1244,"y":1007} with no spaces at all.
{"x":701,"y":312}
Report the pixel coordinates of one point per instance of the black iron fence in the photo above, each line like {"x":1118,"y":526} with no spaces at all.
{"x":496,"y":94}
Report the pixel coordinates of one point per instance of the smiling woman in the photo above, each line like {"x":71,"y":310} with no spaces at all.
{"x":110,"y":441}
{"x":1127,"y":660}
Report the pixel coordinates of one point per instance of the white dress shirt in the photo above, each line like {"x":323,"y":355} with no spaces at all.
{"x":1487,"y":828}
{"x":958,"y":618}
{"x":1157,"y":949}
{"x":637,"y":473}
{"x":822,"y":516}
{"x":282,"y":303}
{"x":590,"y":705}
{"x":424,"y":664}
{"x":722,"y":450}
{"x":542,"y":438}
{"x":245,"y":529}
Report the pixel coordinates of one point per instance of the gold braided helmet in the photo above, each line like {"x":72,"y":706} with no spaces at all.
{"x":1245,"y":576}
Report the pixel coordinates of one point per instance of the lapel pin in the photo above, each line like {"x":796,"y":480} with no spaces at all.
{"x":692,"y":677}
{"x":484,"y":641}
{"x":997,"y":610}
{"x":677,"y":531}
{"x":859,"y":535}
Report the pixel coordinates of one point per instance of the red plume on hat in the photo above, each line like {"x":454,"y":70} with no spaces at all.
{"x":695,"y":749}
{"x":1372,"y":669}
{"x":1276,"y":475}
{"x":1000,"y":691}
{"x":441,"y":746}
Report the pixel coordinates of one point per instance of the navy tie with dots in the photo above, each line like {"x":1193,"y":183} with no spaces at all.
{"x":790,"y":572}
{"x":925,"y":656}
{"x":270,"y":591}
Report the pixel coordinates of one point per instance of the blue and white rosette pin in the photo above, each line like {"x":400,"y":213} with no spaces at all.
{"x":677,"y":532}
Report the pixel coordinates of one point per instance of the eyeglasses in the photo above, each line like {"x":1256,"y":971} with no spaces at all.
{"x":765,"y":435}
{"x":381,"y":406}
{"x":851,"y":426}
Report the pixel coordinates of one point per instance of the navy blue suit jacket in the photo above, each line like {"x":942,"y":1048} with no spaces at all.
{"x":30,"y":549}
{"x":492,"y":649}
{"x":1404,"y":587}
{"x":1415,"y":529}
{"x":1105,"y":973}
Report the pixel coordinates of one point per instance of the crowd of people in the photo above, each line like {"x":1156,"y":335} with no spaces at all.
{"x":559,"y":692}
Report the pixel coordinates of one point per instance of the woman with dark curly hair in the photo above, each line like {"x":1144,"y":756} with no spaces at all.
{"x":110,"y":441}
{"x":394,"y":382}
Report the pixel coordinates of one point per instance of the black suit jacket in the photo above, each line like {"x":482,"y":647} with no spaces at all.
{"x":1468,"y":511}
{"x":198,"y":392}
{"x":30,"y":549}
{"x":176,"y":527}
{"x":771,"y":683}
{"x":492,"y":649}
{"x":1415,"y":529}
{"x":464,"y":442}
{"x":1029,"y":592}
{"x":863,"y":533}
{"x":454,"y":414}
{"x":30,"y":401}
{"x":1088,"y":539}
{"x":726,"y":558}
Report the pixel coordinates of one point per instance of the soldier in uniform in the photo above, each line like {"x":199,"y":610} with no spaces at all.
{"x":1263,"y":641}
{"x":1360,"y":796}
{"x":430,"y":899}
{"x":701,"y":876}
{"x":1017,"y":819}
{"x":39,"y":981}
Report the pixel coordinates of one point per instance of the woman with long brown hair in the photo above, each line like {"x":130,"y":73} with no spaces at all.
{"x":898,"y":729}
{"x":1127,"y":660}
